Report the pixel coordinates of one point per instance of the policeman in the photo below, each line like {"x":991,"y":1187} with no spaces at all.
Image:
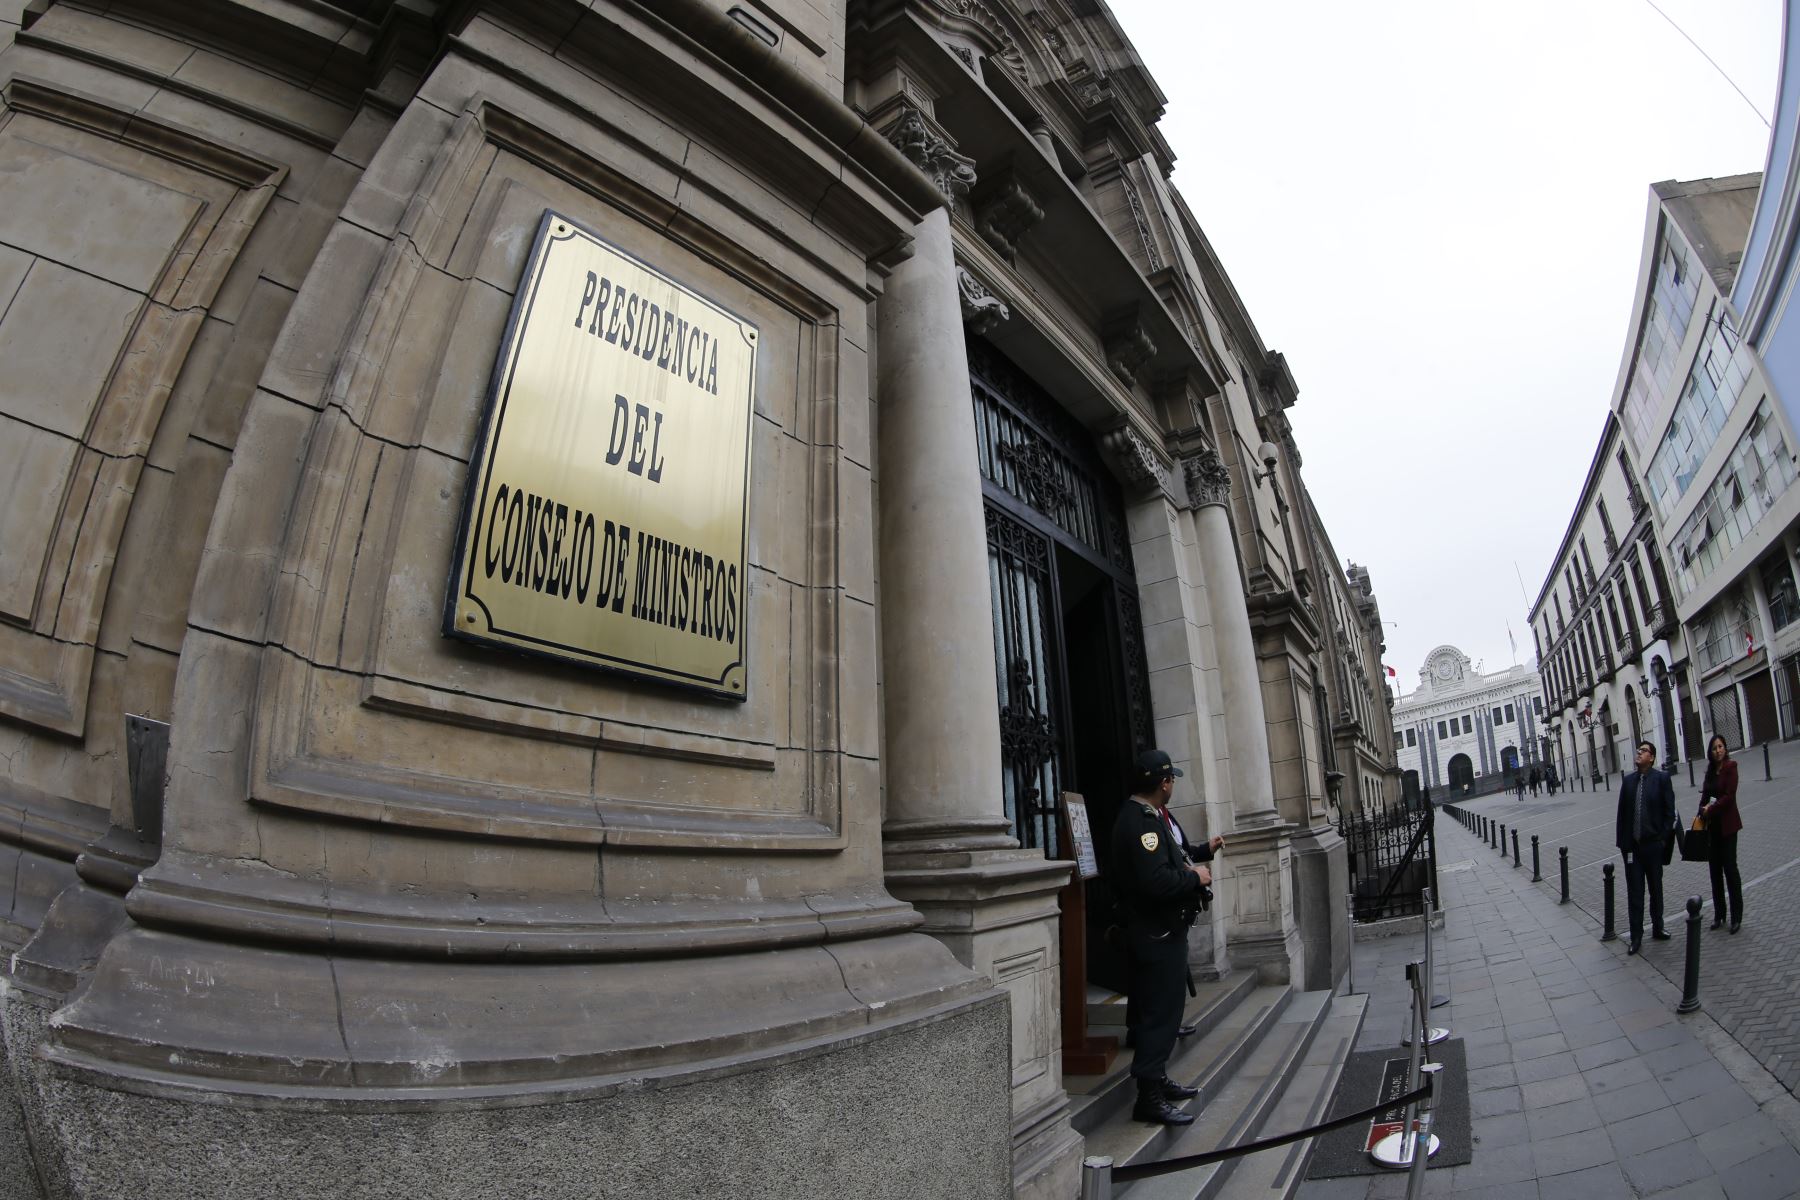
{"x":1161,"y":893}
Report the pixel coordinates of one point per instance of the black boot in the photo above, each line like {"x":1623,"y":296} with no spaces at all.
{"x":1152,"y":1106}
{"x":1178,"y":1091}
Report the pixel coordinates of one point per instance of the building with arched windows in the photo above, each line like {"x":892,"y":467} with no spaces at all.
{"x":1460,"y":729}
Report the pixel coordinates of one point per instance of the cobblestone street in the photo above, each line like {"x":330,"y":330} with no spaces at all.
{"x":1750,"y":982}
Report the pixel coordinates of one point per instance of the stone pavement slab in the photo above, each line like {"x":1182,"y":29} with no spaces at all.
{"x":1750,"y":981}
{"x":1584,"y":1081}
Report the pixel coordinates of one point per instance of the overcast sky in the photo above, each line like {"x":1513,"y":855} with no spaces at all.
{"x":1435,"y":210}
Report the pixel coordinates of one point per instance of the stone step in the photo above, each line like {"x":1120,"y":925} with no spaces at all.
{"x":1305,"y":1099}
{"x":1106,"y":1009}
{"x":1094,"y":1098}
{"x":1285,"y":1074}
{"x":1207,"y":1061}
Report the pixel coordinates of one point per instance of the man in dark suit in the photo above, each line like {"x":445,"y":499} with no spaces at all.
{"x":1646,"y":822}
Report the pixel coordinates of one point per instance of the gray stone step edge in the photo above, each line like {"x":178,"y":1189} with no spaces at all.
{"x":1247,"y":1101}
{"x":1115,"y":1092}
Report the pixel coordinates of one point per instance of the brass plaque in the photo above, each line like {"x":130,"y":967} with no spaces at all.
{"x":605,"y":519}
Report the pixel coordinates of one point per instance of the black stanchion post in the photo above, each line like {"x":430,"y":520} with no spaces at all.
{"x":1766,"y":775}
{"x":1690,"y":978}
{"x":1537,"y":875}
{"x":1515,"y":849}
{"x":1610,"y":934}
{"x":1562,"y":852}
{"x":1690,"y":772}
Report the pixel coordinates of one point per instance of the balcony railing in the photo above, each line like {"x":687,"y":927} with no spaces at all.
{"x":1661,"y":619}
{"x":1729,"y":646}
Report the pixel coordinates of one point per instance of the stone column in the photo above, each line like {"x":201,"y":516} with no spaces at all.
{"x":1262,"y":934}
{"x":947,"y":841}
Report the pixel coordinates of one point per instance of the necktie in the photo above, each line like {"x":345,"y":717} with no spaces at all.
{"x":1640,"y":807}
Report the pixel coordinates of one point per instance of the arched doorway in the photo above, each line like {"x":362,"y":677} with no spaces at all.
{"x":1461,"y":771}
{"x":1409,"y":788}
{"x":1509,"y":759}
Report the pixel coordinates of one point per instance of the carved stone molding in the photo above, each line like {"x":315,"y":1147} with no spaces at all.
{"x":951,"y":173}
{"x":1140,"y":469}
{"x":1208,"y":479}
{"x":982,"y":312}
{"x":1004,"y":213}
{"x":1128,"y":347}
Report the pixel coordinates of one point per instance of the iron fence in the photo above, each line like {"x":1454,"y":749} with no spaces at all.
{"x":1393,"y":859}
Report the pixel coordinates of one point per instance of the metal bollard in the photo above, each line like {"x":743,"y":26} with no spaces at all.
{"x":1690,"y":978}
{"x":1690,"y":772}
{"x":1537,"y":876}
{"x":1610,"y":934}
{"x":1096,"y":1177}
{"x":1350,"y":954}
{"x":1503,"y":839}
{"x":1515,"y":849}
{"x":1562,"y":852}
{"x":1766,"y":775}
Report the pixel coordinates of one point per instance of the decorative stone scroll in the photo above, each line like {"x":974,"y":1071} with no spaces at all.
{"x":1208,"y":479}
{"x":1128,"y":347}
{"x":1005,"y":213}
{"x":982,"y":312}
{"x":1140,"y":468}
{"x":951,"y":173}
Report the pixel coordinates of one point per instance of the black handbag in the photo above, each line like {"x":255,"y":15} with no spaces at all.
{"x":1696,"y":843}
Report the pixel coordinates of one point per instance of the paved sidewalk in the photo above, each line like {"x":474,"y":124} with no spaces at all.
{"x":1584,"y":1083}
{"x":1751,"y":981}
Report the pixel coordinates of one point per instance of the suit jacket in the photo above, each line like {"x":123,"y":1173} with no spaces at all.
{"x":1724,"y":818}
{"x":1659,"y":813}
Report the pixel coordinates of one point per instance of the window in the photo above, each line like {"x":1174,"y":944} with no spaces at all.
{"x":1537,"y":705}
{"x":1441,"y":733}
{"x":1509,"y":714}
{"x":1497,"y":720}
{"x":1468,"y":724}
{"x":1670,"y":307}
{"x":1759,"y":470}
{"x":1587,"y":560}
{"x":1412,"y":738}
{"x":1720,"y":374}
{"x":1612,"y":540}
{"x":1778,"y":586}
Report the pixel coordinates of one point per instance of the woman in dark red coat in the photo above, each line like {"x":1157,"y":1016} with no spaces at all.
{"x":1718,"y":806}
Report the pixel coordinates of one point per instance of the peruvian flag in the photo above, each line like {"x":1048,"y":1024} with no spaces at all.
{"x":1392,"y":674}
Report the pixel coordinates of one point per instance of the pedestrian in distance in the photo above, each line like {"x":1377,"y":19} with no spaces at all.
{"x":1644,"y":832}
{"x":1718,"y":808}
{"x":1161,"y":893}
{"x":1534,"y":779}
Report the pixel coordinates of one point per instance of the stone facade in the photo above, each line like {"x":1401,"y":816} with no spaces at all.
{"x":386,"y":912}
{"x":1460,"y":729}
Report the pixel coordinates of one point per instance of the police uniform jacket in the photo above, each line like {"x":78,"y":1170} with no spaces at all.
{"x":1150,"y":871}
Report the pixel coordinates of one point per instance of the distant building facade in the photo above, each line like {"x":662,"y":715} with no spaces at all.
{"x":1462,"y":729}
{"x":1604,"y":628}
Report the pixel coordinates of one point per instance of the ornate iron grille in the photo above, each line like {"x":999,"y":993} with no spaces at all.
{"x":1019,"y":579}
{"x":1393,"y":857}
{"x":1042,"y":457}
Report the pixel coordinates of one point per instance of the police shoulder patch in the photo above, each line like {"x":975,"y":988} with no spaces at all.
{"x":1151,"y":841}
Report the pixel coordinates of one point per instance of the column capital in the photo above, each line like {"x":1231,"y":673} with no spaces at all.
{"x":1208,"y":478}
{"x":1139,"y":465}
{"x":951,"y":173}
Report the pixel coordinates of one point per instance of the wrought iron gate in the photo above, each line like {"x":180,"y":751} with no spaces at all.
{"x":1049,"y":501}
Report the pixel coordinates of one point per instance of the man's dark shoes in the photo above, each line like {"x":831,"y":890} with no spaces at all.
{"x":1737,"y":925}
{"x":1637,"y":945}
{"x":1661,"y":935}
{"x":1718,"y":923}
{"x":1182,"y":1031}
{"x":1153,"y":1108}
{"x":1178,"y":1091}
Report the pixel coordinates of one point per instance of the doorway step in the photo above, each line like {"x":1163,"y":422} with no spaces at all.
{"x":1266,"y":1060}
